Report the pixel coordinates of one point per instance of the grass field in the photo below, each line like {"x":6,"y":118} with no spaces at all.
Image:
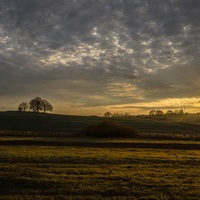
{"x":39,"y":124}
{"x":38,"y":161}
{"x":61,"y":172}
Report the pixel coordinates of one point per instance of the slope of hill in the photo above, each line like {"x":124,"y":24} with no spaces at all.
{"x":39,"y":122}
{"x":28,"y":121}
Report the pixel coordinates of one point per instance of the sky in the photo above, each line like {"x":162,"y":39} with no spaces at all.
{"x":88,"y":57}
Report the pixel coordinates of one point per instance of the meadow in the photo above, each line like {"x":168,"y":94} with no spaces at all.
{"x":41,"y":159}
{"x":61,"y":172}
{"x":39,"y":124}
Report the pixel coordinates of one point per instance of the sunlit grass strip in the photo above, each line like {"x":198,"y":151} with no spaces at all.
{"x":98,"y":173}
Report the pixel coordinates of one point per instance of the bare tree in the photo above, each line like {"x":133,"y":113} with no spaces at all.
{"x":169,"y":112}
{"x":35,"y":104}
{"x":179,"y":112}
{"x":156,"y":112}
{"x":23,"y":106}
{"x":159,"y":112}
{"x":107,"y":114}
{"x":46,"y":106}
{"x":152,"y":112}
{"x":38,"y":104}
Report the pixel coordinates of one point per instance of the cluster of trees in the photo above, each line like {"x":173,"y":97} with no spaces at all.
{"x":36,"y":105}
{"x":109,"y":114}
{"x":152,"y":112}
{"x":168,"y":112}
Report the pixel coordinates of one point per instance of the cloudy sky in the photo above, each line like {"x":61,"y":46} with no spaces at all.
{"x":92,"y":56}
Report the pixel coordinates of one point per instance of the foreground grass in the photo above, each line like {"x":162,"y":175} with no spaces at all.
{"x":50,"y":172}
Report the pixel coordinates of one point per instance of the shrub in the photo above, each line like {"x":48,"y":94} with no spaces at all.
{"x":109,"y":129}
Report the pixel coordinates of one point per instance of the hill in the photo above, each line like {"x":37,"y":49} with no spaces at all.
{"x":31,"y":123}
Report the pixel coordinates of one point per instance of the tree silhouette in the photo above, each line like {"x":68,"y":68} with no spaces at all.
{"x":156,"y":112}
{"x":46,"y":106}
{"x":38,"y":104}
{"x":169,"y":112}
{"x":23,"y":106}
{"x":159,"y":112}
{"x":35,"y":104}
{"x":107,"y":114}
{"x":152,"y":112}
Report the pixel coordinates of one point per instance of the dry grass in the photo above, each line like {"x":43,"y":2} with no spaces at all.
{"x":54,"y":172}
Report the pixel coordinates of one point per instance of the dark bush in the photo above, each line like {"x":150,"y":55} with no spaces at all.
{"x":109,"y":129}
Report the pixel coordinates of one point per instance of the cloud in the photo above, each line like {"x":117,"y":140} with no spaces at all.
{"x":100,"y":52}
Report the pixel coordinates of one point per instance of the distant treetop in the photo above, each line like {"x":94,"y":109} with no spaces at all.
{"x":36,"y":105}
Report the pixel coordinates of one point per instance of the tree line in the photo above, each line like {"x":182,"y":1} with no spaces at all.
{"x":109,"y":114}
{"x":36,"y":105}
{"x":168,"y":112}
{"x":151,"y":112}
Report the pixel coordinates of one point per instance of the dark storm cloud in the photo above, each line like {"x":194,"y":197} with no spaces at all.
{"x":100,"y":52}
